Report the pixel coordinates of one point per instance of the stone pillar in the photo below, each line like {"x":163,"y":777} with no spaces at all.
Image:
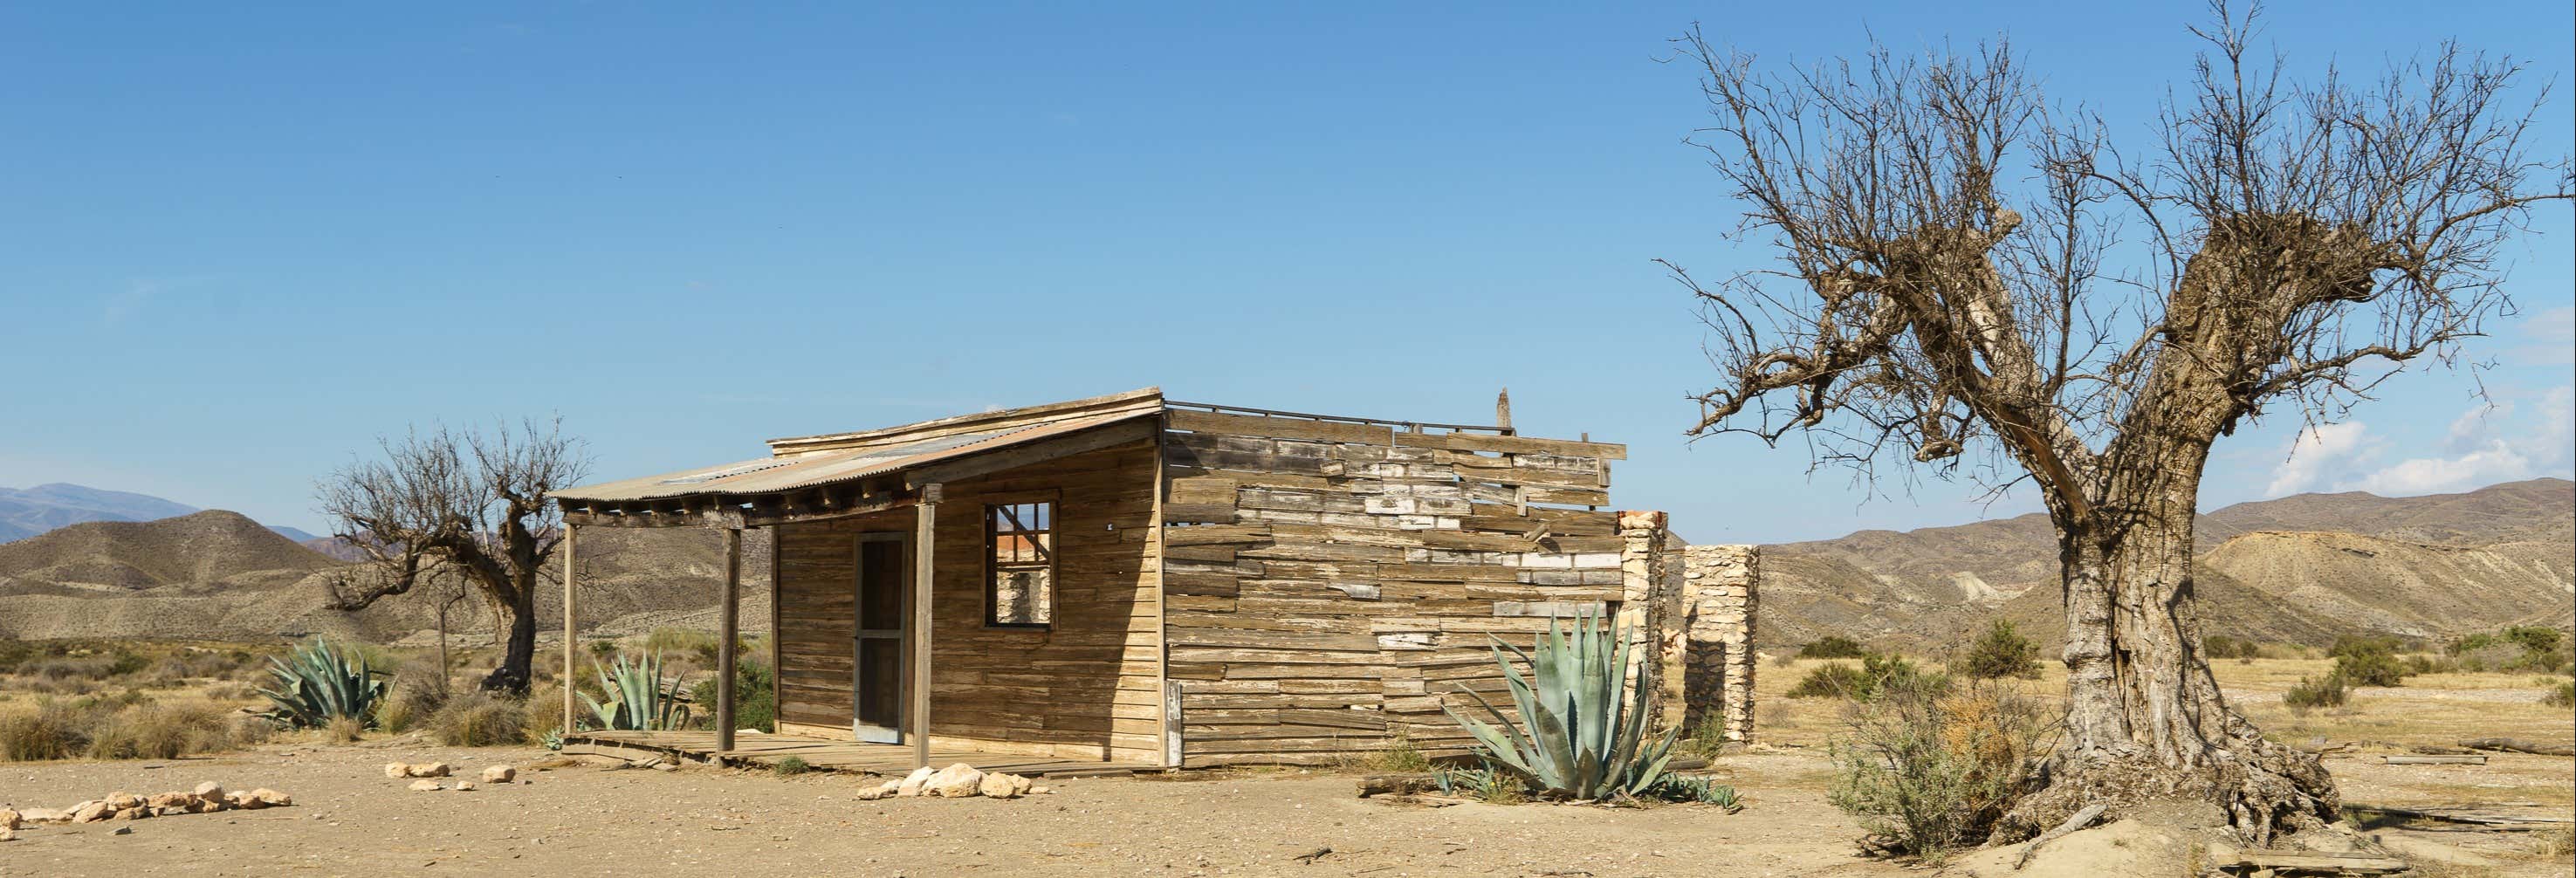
{"x":1641,"y":543}
{"x":1718,"y":585}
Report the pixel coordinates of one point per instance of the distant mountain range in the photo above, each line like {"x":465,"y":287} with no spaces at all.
{"x":2298,"y":569}
{"x":26,"y":512}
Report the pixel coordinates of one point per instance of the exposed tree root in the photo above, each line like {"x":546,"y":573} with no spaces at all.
{"x":2264,"y":788}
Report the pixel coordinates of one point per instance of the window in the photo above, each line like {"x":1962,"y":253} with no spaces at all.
{"x":1019,"y":551}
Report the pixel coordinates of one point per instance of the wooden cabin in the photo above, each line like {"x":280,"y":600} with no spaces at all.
{"x":1138,"y":580}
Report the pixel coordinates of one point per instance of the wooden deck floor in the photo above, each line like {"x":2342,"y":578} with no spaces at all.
{"x":842,"y":756}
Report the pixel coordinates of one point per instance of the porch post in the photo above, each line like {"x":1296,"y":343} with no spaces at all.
{"x":571,"y":644}
{"x":731,"y":613}
{"x":924,"y":543}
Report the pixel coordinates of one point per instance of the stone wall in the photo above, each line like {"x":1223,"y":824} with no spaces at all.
{"x":1718,"y":601}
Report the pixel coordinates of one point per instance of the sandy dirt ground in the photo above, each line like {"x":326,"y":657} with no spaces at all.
{"x":348,"y":819}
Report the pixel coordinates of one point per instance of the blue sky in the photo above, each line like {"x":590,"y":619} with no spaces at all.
{"x":236,"y":245}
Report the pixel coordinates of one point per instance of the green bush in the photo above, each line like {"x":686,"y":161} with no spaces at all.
{"x":1833,"y":681}
{"x":755,"y":697}
{"x":1876,"y":671}
{"x":2533,"y":638}
{"x":2221,"y":646}
{"x":481,"y":719}
{"x":2311,"y":694}
{"x":2563,"y":695}
{"x":2000,"y":652}
{"x":1927,"y":768}
{"x":790,"y":767}
{"x":1832,"y":646}
{"x":1694,"y":788}
{"x":2370,"y":669}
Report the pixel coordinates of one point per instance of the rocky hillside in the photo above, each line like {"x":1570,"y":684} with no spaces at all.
{"x":2299,"y":569}
{"x":216,"y":575}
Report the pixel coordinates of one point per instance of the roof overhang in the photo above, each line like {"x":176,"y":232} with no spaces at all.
{"x":850,"y":474}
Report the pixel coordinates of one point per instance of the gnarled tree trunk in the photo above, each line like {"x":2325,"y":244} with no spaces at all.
{"x":2145,"y":718}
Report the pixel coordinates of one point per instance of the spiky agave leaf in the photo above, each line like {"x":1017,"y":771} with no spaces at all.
{"x":1576,"y":735}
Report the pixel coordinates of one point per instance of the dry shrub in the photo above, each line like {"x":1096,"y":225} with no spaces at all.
{"x":2309,"y":694}
{"x":161,"y":731}
{"x":344,"y":729}
{"x":1397,"y":755}
{"x":1929,"y":768}
{"x":418,"y":693}
{"x":541,"y":716}
{"x":2562,"y":695}
{"x":51,"y":731}
{"x":481,"y":719}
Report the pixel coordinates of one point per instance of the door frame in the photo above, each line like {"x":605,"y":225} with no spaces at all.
{"x":901,"y":635}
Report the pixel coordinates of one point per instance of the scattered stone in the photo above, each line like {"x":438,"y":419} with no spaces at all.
{"x":122,"y":801}
{"x":500,"y":774}
{"x":91,"y":812}
{"x":268,"y":798}
{"x":169,"y":811}
{"x":912,"y":783}
{"x":666,"y":767}
{"x":887,"y":789}
{"x":7,"y":834}
{"x":137,"y":812}
{"x":428,"y":769}
{"x":397,"y":770}
{"x":1040,"y":791}
{"x":123,"y":830}
{"x":465,"y":786}
{"x":10,"y":819}
{"x":1003,"y":786}
{"x":425,"y":786}
{"x":957,"y":781}
{"x":209,"y":791}
{"x":45,"y":815}
{"x":158,"y":801}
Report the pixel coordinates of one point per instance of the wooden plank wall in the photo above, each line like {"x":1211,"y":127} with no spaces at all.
{"x":1329,"y":585}
{"x":1086,"y":688}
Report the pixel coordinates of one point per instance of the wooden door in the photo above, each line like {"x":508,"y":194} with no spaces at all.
{"x":883,"y":601}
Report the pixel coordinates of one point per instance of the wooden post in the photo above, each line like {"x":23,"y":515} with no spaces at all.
{"x":1503,"y":412}
{"x":572,"y":643}
{"x":731,"y":614}
{"x":925,"y":537}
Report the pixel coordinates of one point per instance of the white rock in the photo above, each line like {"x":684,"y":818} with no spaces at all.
{"x":957,"y":781}
{"x":425,"y":786}
{"x":499,"y":774}
{"x":397,"y":770}
{"x":209,"y":791}
{"x":269,"y":798}
{"x":465,"y":786}
{"x":912,"y":783}
{"x":1003,"y":786}
{"x":10,"y":819}
{"x":45,"y":815}
{"x":91,"y":812}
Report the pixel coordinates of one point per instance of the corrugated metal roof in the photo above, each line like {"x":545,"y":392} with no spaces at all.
{"x":770,"y":475}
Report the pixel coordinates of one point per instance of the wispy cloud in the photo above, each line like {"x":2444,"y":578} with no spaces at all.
{"x":2490,"y":442}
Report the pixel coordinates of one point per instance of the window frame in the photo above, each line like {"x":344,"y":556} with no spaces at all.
{"x":988,"y":508}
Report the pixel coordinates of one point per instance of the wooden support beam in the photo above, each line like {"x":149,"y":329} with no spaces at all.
{"x":730,"y":612}
{"x":925,"y":541}
{"x":571,"y":642}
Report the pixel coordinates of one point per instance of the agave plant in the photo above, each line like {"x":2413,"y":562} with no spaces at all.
{"x":316,"y":685}
{"x":1577,"y":736}
{"x":638,"y":699}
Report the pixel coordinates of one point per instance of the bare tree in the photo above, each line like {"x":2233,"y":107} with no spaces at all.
{"x":1968,"y":273}
{"x":472,"y":505}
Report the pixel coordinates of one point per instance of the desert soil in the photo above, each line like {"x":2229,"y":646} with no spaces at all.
{"x":348,"y":818}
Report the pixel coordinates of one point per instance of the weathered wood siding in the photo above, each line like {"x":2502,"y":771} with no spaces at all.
{"x":1087,"y":687}
{"x":1329,"y":585}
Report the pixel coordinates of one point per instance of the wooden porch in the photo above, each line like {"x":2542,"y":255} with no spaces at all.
{"x":852,"y":757}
